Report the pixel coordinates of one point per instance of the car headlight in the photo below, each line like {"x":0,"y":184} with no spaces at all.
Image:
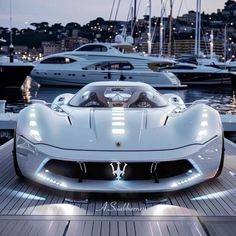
{"x":24,"y":147}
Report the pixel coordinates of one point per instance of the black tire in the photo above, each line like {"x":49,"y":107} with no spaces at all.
{"x":15,"y":163}
{"x":219,"y":171}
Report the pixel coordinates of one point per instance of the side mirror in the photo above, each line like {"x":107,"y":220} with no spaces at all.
{"x":60,"y":100}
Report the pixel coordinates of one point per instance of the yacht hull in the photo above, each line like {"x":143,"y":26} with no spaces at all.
{"x":12,"y":75}
{"x":196,"y":78}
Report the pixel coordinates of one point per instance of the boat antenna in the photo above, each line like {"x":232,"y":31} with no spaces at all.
{"x":11,"y":47}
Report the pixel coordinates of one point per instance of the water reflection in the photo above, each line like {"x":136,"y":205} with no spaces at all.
{"x":29,"y":89}
{"x":222,"y":99}
{"x":17,"y":98}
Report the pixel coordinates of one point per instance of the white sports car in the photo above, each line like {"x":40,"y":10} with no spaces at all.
{"x":118,"y":137}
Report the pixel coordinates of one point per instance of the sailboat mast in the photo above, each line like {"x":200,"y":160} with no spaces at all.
{"x":198,"y":28}
{"x":10,"y":22}
{"x":134,"y":19}
{"x":11,"y":48}
{"x":161,"y":29}
{"x":150,"y":28}
{"x":170,"y":28}
{"x":135,"y":10}
{"x":211,"y":44}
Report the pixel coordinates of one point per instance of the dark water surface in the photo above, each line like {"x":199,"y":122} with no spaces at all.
{"x":221,"y":98}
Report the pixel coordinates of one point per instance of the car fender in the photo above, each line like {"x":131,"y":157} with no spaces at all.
{"x":198,"y":123}
{"x":35,"y":122}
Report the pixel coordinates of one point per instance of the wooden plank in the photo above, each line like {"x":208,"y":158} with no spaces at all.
{"x":130,"y":227}
{"x":224,"y":201}
{"x":171,"y":227}
{"x":189,"y":228}
{"x":122,"y":228}
{"x":76,"y":228}
{"x":142,"y":228}
{"x":161,"y":228}
{"x":88,"y":228}
{"x":11,"y":196}
{"x":96,"y":228}
{"x":206,"y":201}
{"x":33,"y":204}
{"x":3,"y":225}
{"x":105,"y":231}
{"x":38,"y":204}
{"x":229,"y":195}
{"x":196,"y":205}
{"x":17,"y":201}
{"x":20,"y":209}
{"x":194,"y":194}
{"x":217,"y":226}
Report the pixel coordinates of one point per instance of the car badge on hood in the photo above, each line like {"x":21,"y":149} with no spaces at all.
{"x":118,"y":144}
{"x":118,"y":172}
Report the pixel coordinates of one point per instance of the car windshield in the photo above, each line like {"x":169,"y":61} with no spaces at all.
{"x":118,"y":96}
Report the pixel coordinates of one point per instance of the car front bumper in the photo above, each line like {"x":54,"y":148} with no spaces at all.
{"x":205,"y":160}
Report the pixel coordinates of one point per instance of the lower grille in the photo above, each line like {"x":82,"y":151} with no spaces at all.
{"x":132,"y":171}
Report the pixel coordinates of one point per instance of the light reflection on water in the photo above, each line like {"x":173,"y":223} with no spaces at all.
{"x":221,"y":98}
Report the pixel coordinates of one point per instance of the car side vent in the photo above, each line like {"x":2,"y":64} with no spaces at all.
{"x":166,"y":120}
{"x":69,"y":120}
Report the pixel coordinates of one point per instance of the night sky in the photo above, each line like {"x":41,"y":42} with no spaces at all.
{"x":25,"y":12}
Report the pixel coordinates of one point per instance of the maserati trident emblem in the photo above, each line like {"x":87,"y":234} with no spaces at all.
{"x":118,"y":172}
{"x":118,"y":144}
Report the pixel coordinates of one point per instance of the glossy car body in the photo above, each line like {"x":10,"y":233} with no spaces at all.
{"x":118,"y":137}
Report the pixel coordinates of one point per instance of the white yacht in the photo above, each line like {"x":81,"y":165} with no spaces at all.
{"x":102,"y":62}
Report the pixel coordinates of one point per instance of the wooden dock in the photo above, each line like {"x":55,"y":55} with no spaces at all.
{"x":27,"y":208}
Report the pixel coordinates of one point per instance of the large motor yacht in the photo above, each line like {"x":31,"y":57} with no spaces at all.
{"x":102,"y":62}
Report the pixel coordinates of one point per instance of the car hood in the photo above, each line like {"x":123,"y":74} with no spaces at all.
{"x":117,"y":129}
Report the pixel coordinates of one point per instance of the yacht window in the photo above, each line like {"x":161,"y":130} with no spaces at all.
{"x":93,"y":48}
{"x":126,"y":66}
{"x":110,"y":66}
{"x":57,"y":60}
{"x":183,"y":67}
